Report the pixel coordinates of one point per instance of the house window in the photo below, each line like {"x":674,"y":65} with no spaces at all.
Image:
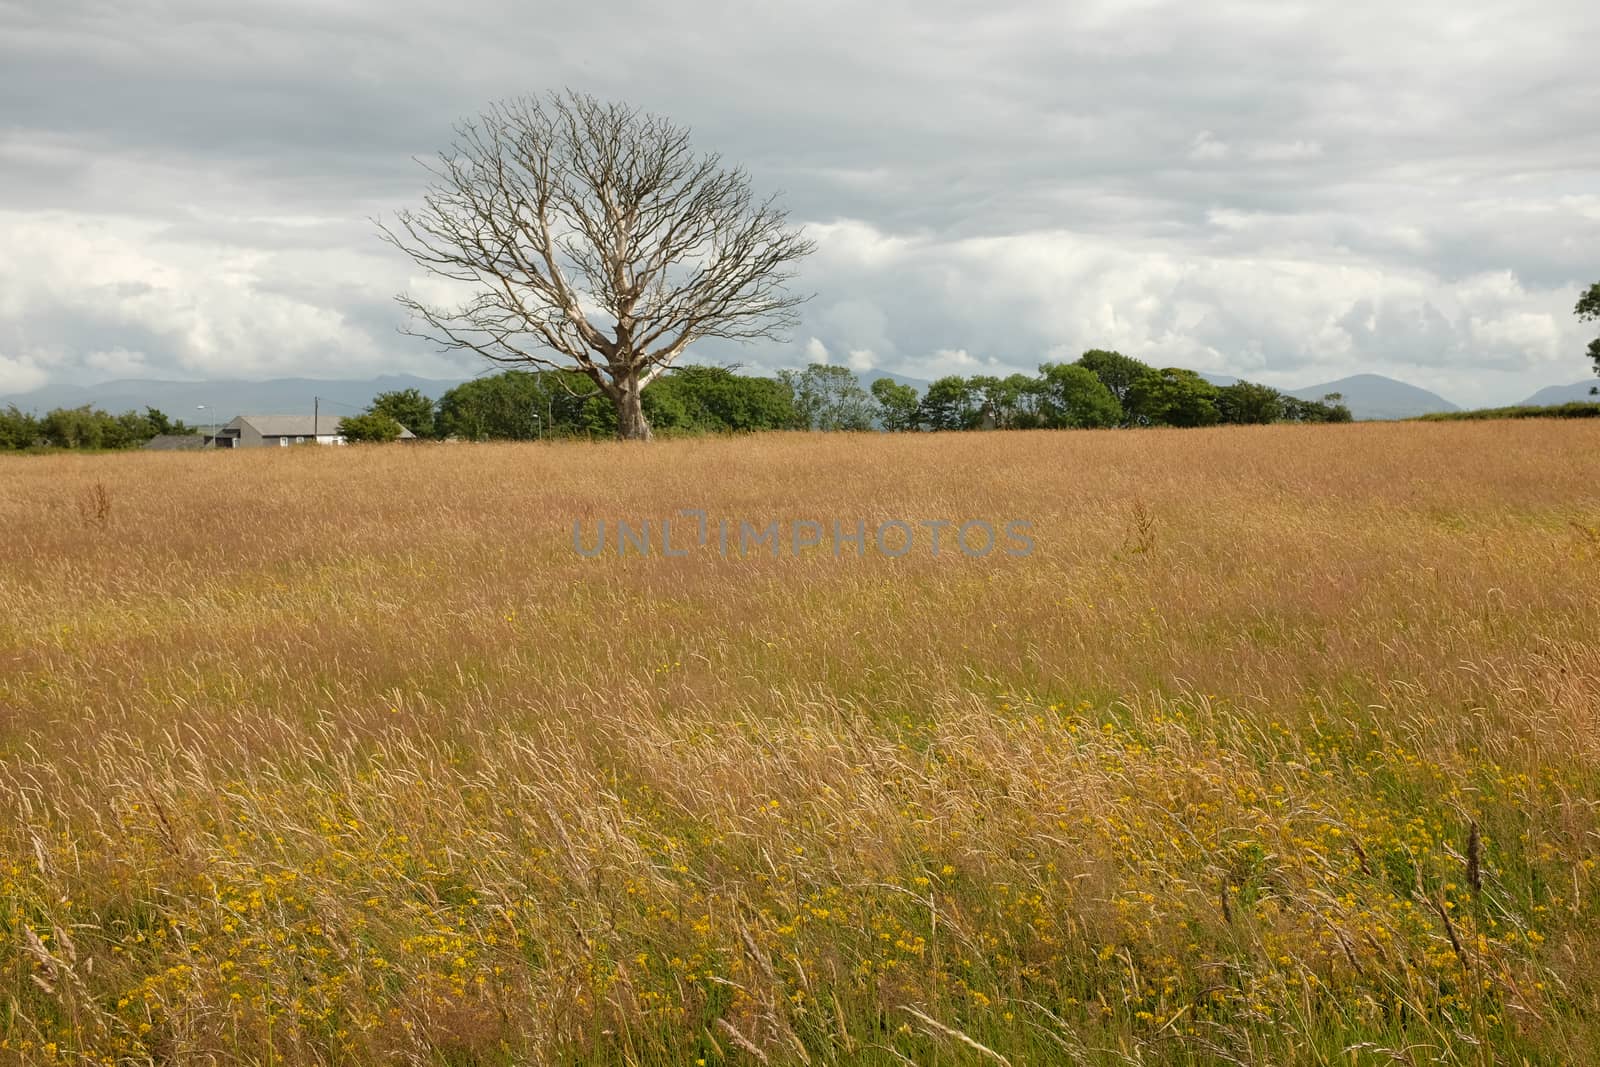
{"x":299,"y":440}
{"x":283,"y":442}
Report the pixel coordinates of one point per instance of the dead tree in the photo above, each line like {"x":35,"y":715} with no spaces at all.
{"x":590,"y":236}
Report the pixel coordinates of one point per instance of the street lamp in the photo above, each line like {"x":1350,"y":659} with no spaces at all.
{"x":212,"y":424}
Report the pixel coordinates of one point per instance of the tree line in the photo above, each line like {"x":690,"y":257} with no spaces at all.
{"x":1100,"y":390}
{"x":84,"y":427}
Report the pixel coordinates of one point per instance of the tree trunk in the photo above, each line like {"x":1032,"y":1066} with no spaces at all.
{"x":631,"y":423}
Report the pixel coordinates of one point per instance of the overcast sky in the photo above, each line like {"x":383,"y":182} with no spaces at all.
{"x":1284,"y":191}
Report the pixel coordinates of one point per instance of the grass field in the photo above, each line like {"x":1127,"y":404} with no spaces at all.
{"x":1573,"y":410}
{"x":1282,"y":746}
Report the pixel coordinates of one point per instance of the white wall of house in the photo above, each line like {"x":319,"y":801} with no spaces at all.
{"x":320,"y":439}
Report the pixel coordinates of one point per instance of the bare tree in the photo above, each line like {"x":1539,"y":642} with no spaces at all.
{"x":593,"y":237}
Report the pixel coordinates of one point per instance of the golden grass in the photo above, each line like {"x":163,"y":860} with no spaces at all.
{"x":1283,"y":745}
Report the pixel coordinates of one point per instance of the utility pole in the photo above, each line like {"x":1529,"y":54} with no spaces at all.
{"x":316,"y":414}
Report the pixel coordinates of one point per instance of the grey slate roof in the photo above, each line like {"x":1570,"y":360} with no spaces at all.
{"x":175,"y":442}
{"x":287,"y":425}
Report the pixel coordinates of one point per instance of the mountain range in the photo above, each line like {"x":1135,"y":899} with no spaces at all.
{"x":1580,"y":392}
{"x":1369,"y":396}
{"x":1372,"y":396}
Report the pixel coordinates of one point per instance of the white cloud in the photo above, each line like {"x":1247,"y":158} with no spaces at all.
{"x":1246,"y":188}
{"x":862,"y":359}
{"x":1291,"y":317}
{"x":1530,"y":336}
{"x":104,"y":293}
{"x":18,"y":374}
{"x":1205,"y":147}
{"x":955,"y":361}
{"x":1290,"y":152}
{"x":119,"y":363}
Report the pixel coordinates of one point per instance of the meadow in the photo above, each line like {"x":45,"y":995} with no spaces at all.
{"x":1281,"y":746}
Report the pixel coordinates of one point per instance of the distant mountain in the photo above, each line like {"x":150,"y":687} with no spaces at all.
{"x":225,"y":399}
{"x":1563,"y":394}
{"x":1368,"y":396}
{"x":1372,"y":396}
{"x":867,"y":377}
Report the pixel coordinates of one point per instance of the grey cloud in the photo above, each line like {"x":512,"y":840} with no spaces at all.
{"x":1393,"y":154}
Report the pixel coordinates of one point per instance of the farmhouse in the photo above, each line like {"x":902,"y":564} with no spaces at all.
{"x":281,"y":431}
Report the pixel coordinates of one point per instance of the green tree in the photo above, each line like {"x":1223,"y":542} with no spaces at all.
{"x":1246,"y":403}
{"x":827,"y":397}
{"x":18,"y":429}
{"x":1005,"y":403}
{"x":519,"y":405}
{"x":157,"y":422}
{"x":495,"y":407}
{"x":84,"y":427}
{"x":1588,"y":310}
{"x":1070,"y":396}
{"x":1330,"y":408}
{"x":897,"y":406}
{"x":522,"y":405}
{"x":127,"y":430}
{"x":986,"y":394}
{"x":949,"y":404}
{"x":373,"y":427}
{"x":1028,"y":393}
{"x":409,"y":407}
{"x":699,"y":399}
{"x":757,"y":403}
{"x":671,"y":408}
{"x":1116,"y":370}
{"x":1172,"y":396}
{"x":81,"y":427}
